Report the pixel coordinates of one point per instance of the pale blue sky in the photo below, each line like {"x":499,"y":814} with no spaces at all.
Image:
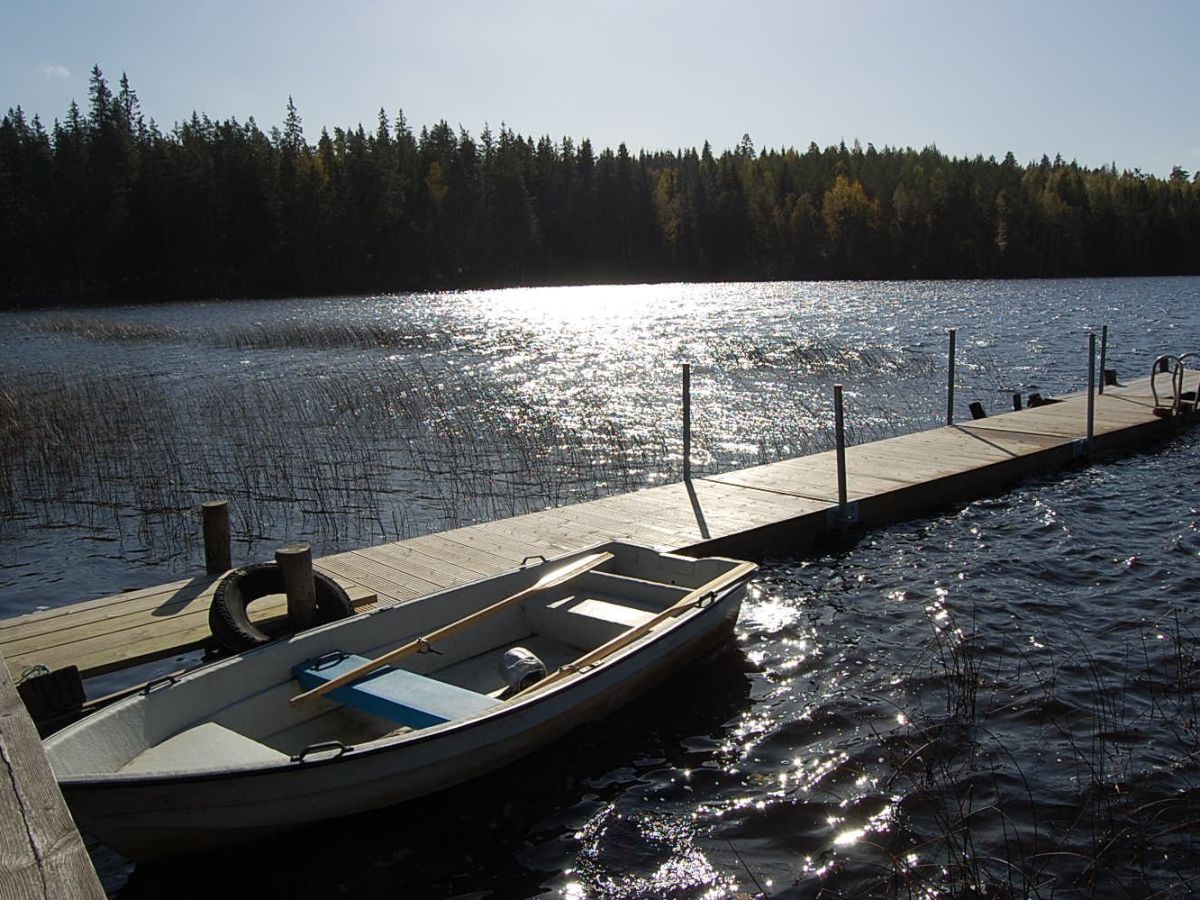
{"x":1095,"y":81}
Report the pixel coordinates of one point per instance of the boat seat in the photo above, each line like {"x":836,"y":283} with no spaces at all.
{"x":394,"y":694}
{"x":586,"y":619}
{"x":200,"y":747}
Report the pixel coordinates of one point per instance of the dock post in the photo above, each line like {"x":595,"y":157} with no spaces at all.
{"x":687,"y":422}
{"x":1103,"y":355}
{"x":295,"y":563}
{"x":217,"y":556}
{"x":950,"y":382}
{"x":1091,"y":396}
{"x":839,"y":428}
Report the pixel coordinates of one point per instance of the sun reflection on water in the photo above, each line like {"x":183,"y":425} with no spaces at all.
{"x":643,"y":854}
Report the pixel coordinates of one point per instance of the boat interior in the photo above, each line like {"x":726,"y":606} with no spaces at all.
{"x":238,"y":712}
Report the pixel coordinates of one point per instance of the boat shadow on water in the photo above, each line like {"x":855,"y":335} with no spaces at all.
{"x":512,"y":833}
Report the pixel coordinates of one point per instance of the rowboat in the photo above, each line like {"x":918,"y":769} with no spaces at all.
{"x":392,"y":704}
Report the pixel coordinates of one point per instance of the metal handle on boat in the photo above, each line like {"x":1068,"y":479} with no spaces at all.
{"x":526,"y":560}
{"x":332,"y":658}
{"x":423,"y":646}
{"x":159,"y":683}
{"x":337,"y":747}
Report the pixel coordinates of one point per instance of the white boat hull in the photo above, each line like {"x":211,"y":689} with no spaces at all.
{"x":150,"y":815}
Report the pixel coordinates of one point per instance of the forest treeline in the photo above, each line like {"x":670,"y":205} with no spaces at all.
{"x":105,"y":206}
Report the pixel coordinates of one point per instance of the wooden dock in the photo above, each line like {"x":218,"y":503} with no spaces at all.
{"x":41,"y":853}
{"x":784,"y":505}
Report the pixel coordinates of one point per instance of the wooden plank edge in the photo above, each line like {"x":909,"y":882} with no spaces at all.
{"x":186,"y":637}
{"x":44,"y":854}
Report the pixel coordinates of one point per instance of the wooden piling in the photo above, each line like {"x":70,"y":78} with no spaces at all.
{"x":217,"y":555}
{"x":295,"y":563}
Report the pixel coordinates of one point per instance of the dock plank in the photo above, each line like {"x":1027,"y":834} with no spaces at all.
{"x":98,"y":640}
{"x":414,"y":559}
{"x":42,"y":856}
{"x":480,"y":560}
{"x":815,"y":481}
{"x":483,"y":541}
{"x":387,"y":585}
{"x":397,"y":564}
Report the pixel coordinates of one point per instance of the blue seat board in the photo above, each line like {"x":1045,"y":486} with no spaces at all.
{"x":394,"y":694}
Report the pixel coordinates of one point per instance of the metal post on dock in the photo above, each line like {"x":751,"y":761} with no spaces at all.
{"x":950,"y":383}
{"x":687,"y":422}
{"x":1103,"y":355}
{"x":1091,"y":395}
{"x":839,"y":428}
{"x":295,"y":564}
{"x":215,"y":518}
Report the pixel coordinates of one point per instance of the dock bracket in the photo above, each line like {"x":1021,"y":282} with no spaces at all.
{"x":1080,"y":448}
{"x":843,"y":515}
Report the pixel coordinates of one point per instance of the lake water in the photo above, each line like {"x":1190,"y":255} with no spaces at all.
{"x":998,"y":700}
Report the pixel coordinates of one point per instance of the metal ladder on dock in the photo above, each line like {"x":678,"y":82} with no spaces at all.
{"x":1181,"y":400}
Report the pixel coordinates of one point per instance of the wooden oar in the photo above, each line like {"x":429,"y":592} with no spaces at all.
{"x":558,"y":576}
{"x":694,"y":598}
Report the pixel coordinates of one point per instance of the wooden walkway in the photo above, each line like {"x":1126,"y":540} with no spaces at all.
{"x":785,"y":505}
{"x":41,"y":853}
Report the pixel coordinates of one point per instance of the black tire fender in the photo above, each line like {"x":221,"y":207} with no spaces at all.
{"x":227,"y":616}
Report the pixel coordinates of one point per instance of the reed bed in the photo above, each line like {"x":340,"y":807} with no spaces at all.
{"x":427,"y":435}
{"x":330,"y":460}
{"x":277,"y":335}
{"x":301,"y":335}
{"x":1119,"y":817}
{"x":107,"y":330}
